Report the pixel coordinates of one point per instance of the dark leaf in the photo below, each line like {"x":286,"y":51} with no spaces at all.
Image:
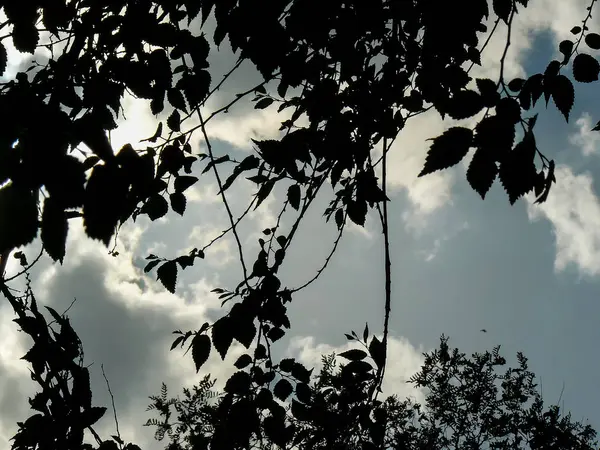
{"x":517,"y":171}
{"x":93,"y":415}
{"x":576,"y":30}
{"x":366,"y":332}
{"x":563,"y":94}
{"x":248,"y":163}
{"x":283,"y":389}
{"x":156,"y":135}
{"x":357,"y":211}
{"x":585,"y":68}
{"x":243,"y":361}
{"x":300,"y":411}
{"x":489,"y":91}
{"x":25,"y":36}
{"x":155,"y":207}
{"x":516,"y":84}
{"x":593,"y":40}
{"x":151,"y":265}
{"x":502,"y":8}
{"x":178,"y":202}
{"x":566,"y":48}
{"x":293,"y":196}
{"x":3,"y":59}
{"x":174,"y":121}
{"x":377,"y":351}
{"x":183,"y":182}
{"x":464,"y":104}
{"x":176,"y":99}
{"x":222,"y":335}
{"x":303,"y":392}
{"x":18,"y":217}
{"x":167,"y":274}
{"x":200,"y":350}
{"x":482,"y":172}
{"x":238,"y":383}
{"x":263,"y":103}
{"x":354,"y":354}
{"x":448,"y":149}
{"x":54,"y":229}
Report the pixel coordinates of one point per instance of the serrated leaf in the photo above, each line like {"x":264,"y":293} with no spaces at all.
{"x":377,"y":351}
{"x":248,"y":163}
{"x":354,"y":354}
{"x":178,"y":202}
{"x":151,"y":265}
{"x":155,"y":207}
{"x":200,"y":350}
{"x":563,"y":95}
{"x":593,"y":40}
{"x":222,"y":335}
{"x":176,"y":99}
{"x":293,"y":196}
{"x":585,"y":68}
{"x":3,"y":59}
{"x":516,"y":84}
{"x":243,"y":361}
{"x":54,"y":229}
{"x":283,"y":389}
{"x":25,"y":36}
{"x":183,"y":182}
{"x":174,"y":121}
{"x":488,"y":90}
{"x":238,"y":383}
{"x":517,"y":171}
{"x":464,"y":104}
{"x":167,"y":274}
{"x":92,"y":415}
{"x":263,"y":103}
{"x":18,"y":217}
{"x":502,"y":9}
{"x":482,"y":172}
{"x":448,"y":149}
{"x":357,"y":211}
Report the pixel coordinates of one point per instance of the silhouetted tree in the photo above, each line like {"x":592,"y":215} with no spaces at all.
{"x":347,"y":77}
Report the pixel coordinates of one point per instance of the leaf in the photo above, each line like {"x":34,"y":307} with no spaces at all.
{"x":263,"y":103}
{"x":366,"y":332}
{"x":174,"y":121}
{"x":243,"y":361}
{"x":448,"y":149}
{"x":18,"y":217}
{"x":176,"y":99}
{"x":488,"y":90}
{"x":25,"y":37}
{"x":576,"y":30}
{"x":563,"y":94}
{"x":200,"y":350}
{"x":354,"y":354}
{"x":516,"y":84}
{"x":517,"y":171}
{"x":283,"y":389}
{"x":222,"y":335}
{"x":178,"y":202}
{"x":464,"y":104}
{"x":3,"y":59}
{"x":303,"y":392}
{"x":155,"y":207}
{"x":54,"y":229}
{"x":377,"y":351}
{"x":357,"y":211}
{"x":167,"y":274}
{"x":300,"y":411}
{"x":151,"y":265}
{"x":566,"y":48}
{"x":92,"y":415}
{"x":248,"y":163}
{"x":156,"y":135}
{"x":293,"y":196}
{"x":238,"y":383}
{"x":585,"y":68}
{"x":183,"y":182}
{"x":593,"y":40}
{"x":502,"y":9}
{"x":482,"y":172}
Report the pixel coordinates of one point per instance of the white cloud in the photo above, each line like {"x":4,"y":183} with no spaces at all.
{"x":586,"y":139}
{"x":573,"y":209}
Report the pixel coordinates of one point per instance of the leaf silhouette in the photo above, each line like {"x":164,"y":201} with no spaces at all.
{"x":563,"y":95}
{"x":482,"y":172}
{"x":174,"y":121}
{"x":178,"y":202}
{"x":593,"y":40}
{"x":354,"y":354}
{"x":183,"y":182}
{"x":18,"y":217}
{"x":283,"y":389}
{"x":293,"y":195}
{"x":3,"y":59}
{"x":167,"y":274}
{"x":222,"y":335}
{"x":448,"y":149}
{"x":585,"y":68}
{"x":502,"y":9}
{"x":200,"y":349}
{"x":54,"y":229}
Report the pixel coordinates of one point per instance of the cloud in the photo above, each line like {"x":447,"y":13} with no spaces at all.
{"x":586,"y":139}
{"x":573,"y":209}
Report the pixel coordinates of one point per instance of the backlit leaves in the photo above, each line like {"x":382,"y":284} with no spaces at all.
{"x":3,"y":59}
{"x":593,"y":40}
{"x":54,"y":229}
{"x":585,"y":68}
{"x":222,"y":335}
{"x":18,"y":217}
{"x":200,"y":350}
{"x":448,"y":149}
{"x":502,"y":8}
{"x":167,"y":274}
{"x":517,"y":171}
{"x":563,"y":94}
{"x":482,"y":172}
{"x":178,"y":202}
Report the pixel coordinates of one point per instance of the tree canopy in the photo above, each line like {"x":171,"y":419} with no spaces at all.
{"x":345,"y":81}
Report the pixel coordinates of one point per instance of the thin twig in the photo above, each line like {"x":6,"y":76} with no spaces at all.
{"x":5,"y":257}
{"x":112,"y":399}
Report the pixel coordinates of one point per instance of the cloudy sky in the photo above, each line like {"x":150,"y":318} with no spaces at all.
{"x":529,"y":275}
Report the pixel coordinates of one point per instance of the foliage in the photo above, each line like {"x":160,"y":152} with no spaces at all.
{"x":469,"y":403}
{"x":346,"y":81}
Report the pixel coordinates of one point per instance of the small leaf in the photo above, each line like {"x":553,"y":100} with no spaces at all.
{"x":174,"y":121}
{"x":377,"y":351}
{"x":151,"y":265}
{"x":354,"y":355}
{"x":585,"y":68}
{"x":183,"y":182}
{"x":448,"y":149}
{"x":222,"y":335}
{"x":243,"y":361}
{"x":167,"y":274}
{"x":366,"y":332}
{"x":293,"y":196}
{"x":155,"y":207}
{"x":263,"y":103}
{"x":178,"y":202}
{"x":576,"y":30}
{"x":516,"y":84}
{"x":593,"y":40}
{"x":563,"y":94}
{"x":54,"y":229}
{"x":176,"y":99}
{"x":357,"y":211}
{"x":283,"y":389}
{"x":200,"y":350}
{"x":566,"y":48}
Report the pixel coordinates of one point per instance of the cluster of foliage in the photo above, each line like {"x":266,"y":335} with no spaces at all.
{"x":469,"y":404}
{"x":347,"y":81}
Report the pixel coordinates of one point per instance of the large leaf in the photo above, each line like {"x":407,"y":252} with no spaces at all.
{"x":482,"y":172}
{"x":200,"y":350}
{"x":222,"y":335}
{"x":585,"y":68}
{"x":167,"y":274}
{"x":563,"y":94}
{"x":54,"y":229}
{"x":448,"y":149}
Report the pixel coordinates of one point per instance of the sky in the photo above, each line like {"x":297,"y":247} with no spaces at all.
{"x":528,"y":274}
